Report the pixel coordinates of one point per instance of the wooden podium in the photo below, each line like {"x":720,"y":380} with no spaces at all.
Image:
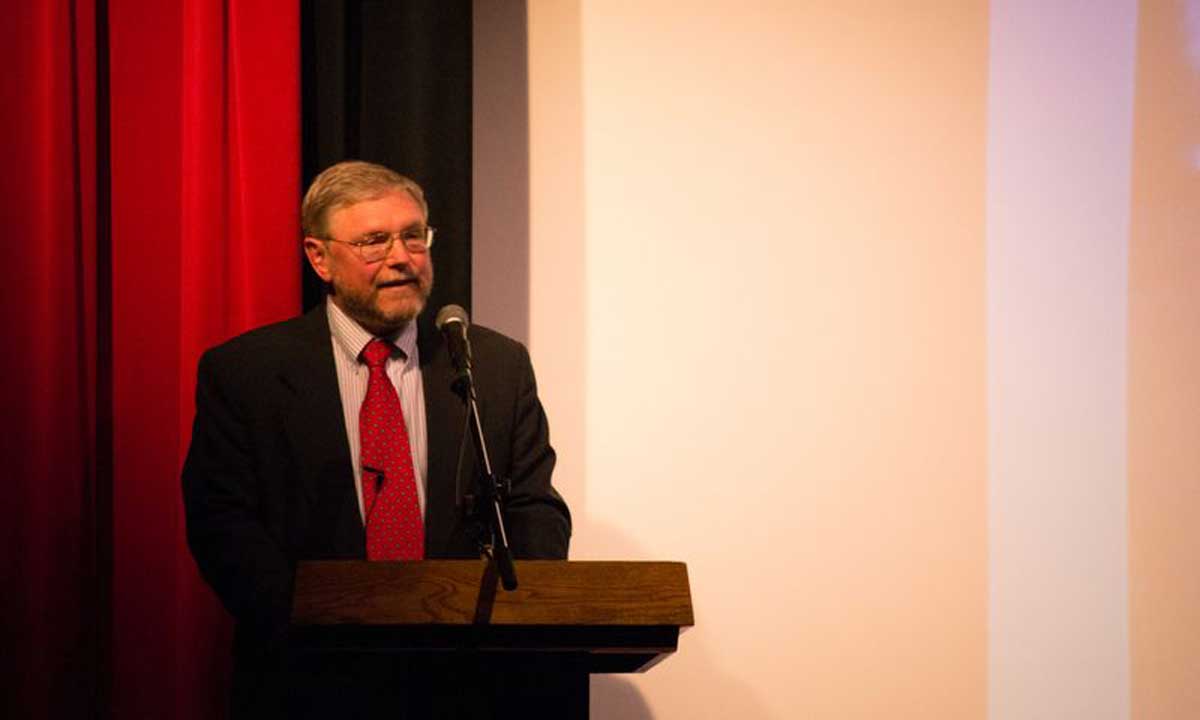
{"x":455,"y":643}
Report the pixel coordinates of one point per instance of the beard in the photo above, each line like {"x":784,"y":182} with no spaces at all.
{"x":379,"y":316}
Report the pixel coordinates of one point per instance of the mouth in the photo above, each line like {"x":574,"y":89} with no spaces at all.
{"x":401,"y":282}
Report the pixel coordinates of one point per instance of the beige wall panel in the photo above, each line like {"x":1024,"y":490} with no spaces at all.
{"x":1164,"y":382}
{"x":757,"y":252}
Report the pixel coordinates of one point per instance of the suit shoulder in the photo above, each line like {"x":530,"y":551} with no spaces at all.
{"x":485,"y":337}
{"x":498,"y":348}
{"x":265,"y":345}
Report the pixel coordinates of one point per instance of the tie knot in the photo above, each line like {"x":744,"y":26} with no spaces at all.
{"x":377,"y":352}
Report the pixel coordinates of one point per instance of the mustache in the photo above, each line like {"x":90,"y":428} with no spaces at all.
{"x":401,"y":280}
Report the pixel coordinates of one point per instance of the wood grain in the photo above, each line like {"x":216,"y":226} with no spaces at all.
{"x":618,"y":616}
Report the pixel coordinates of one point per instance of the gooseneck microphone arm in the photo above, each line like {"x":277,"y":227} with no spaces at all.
{"x":452,"y":321}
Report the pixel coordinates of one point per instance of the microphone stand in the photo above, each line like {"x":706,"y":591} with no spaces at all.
{"x":492,"y":491}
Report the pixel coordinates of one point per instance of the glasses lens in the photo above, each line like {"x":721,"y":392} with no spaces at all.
{"x":376,"y":249}
{"x":376,"y":246}
{"x":417,"y":240}
{"x":373,"y":253}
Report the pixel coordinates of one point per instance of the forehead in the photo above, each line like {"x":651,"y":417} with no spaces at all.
{"x":394,"y":210}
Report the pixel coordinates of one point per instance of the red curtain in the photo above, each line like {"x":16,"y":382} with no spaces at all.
{"x":112,"y":303}
{"x":48,"y":301}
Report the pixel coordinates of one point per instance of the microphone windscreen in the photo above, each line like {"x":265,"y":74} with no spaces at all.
{"x":452,"y":313}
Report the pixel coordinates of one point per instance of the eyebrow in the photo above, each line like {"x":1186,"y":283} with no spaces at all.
{"x":417,"y":225}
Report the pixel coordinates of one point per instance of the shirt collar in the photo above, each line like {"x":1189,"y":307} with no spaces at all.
{"x":352,"y":337}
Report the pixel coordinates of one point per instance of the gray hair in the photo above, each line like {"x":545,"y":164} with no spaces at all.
{"x":347,"y":183}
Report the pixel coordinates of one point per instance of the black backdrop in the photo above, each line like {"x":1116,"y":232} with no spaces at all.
{"x":390,"y":82}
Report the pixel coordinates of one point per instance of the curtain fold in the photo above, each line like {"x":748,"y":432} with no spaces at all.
{"x":48,"y":301}
{"x":205,"y":187}
{"x":391,"y":82}
{"x":109,"y":303}
{"x":151,"y":201}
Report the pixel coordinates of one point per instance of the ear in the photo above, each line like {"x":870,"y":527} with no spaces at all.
{"x":317,"y":252}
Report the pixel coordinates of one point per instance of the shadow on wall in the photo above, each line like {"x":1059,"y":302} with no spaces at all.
{"x":500,"y":166}
{"x":614,"y":696}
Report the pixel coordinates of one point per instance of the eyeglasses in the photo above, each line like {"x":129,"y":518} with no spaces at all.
{"x":375,"y":246}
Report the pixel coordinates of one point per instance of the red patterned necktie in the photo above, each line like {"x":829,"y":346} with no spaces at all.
{"x":394,"y":527}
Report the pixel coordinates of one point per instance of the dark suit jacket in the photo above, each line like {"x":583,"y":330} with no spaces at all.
{"x":268,"y":479}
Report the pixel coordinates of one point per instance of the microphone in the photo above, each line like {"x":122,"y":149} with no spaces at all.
{"x":380,"y":479}
{"x":452,"y":321}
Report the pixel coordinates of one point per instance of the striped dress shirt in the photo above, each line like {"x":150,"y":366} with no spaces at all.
{"x":403,"y":369}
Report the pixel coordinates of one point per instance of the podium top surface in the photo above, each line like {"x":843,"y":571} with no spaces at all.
{"x":457,"y":592}
{"x":620,"y":616}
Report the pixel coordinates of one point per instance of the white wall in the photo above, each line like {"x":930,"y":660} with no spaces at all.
{"x":755,"y":306}
{"x":830,"y":301}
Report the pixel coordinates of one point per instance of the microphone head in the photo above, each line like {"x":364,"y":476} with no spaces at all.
{"x":451,"y":314}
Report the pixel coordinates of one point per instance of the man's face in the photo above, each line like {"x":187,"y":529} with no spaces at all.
{"x":384,"y":295}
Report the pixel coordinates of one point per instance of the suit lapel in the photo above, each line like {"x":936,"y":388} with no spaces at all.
{"x":316,"y":430}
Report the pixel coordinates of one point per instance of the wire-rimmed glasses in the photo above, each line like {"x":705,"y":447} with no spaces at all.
{"x":375,"y":246}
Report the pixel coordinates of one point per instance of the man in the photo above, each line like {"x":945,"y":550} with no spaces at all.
{"x":336,"y":434}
